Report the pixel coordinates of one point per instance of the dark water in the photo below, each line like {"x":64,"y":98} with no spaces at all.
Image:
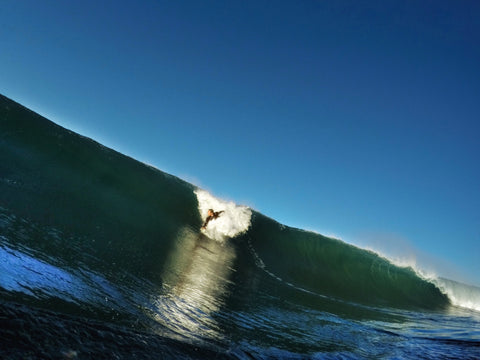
{"x":101,"y":257}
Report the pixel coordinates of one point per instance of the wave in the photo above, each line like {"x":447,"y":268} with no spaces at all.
{"x":85,"y":212}
{"x":461,"y":295}
{"x":336,"y":269}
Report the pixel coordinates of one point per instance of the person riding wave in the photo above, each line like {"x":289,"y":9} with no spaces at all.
{"x":212,"y":215}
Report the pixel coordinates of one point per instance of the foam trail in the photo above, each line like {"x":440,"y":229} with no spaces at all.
{"x":234,"y":221}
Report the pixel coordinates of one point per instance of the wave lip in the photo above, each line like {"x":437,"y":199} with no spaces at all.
{"x":461,"y":295}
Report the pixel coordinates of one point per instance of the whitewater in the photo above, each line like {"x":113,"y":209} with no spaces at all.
{"x":102,"y":256}
{"x":234,"y":220}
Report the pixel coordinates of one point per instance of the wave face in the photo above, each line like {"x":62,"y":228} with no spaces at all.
{"x":93,"y":234}
{"x":333,"y":268}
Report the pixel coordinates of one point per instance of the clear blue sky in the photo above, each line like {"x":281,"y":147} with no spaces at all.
{"x":354,"y":118}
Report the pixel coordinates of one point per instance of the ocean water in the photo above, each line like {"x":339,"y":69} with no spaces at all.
{"x":102,"y":257}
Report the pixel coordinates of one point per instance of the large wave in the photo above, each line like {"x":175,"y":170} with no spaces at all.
{"x":86,"y":212}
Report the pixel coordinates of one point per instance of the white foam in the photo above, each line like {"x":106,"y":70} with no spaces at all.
{"x":461,"y":295}
{"x":234,"y":221}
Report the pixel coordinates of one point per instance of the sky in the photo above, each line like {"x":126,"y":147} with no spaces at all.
{"x":355,"y":119}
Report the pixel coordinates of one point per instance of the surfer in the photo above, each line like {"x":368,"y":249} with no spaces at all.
{"x":212,"y":215}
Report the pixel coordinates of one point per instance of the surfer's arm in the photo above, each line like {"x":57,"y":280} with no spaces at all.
{"x":214,"y":216}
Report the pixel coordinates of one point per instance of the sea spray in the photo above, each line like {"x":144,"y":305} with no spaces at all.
{"x":459,"y":294}
{"x":462,"y":295}
{"x":234,"y":220}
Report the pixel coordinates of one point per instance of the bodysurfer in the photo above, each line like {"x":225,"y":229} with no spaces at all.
{"x":212,"y":215}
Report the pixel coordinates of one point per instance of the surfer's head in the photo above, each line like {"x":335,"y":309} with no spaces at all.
{"x":210,"y":212}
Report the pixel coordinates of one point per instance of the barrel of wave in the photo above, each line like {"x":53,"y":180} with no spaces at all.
{"x":234,"y":220}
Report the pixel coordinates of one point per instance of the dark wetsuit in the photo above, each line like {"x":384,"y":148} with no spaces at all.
{"x":211,"y":217}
